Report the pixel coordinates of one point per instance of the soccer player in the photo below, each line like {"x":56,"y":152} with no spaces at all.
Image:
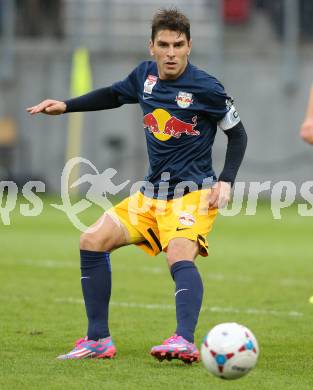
{"x":306,"y":131}
{"x":175,"y":210}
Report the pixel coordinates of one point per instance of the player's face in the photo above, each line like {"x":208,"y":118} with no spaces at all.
{"x":170,"y":50}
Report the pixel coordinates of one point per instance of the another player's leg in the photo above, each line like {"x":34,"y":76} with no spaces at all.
{"x":181,"y":253}
{"x":95,"y":246}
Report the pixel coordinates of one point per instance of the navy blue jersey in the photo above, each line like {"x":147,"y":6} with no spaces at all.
{"x":180,"y":121}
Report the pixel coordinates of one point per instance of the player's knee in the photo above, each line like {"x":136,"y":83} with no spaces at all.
{"x":176,"y":255}
{"x":98,"y":242}
{"x":181,"y":249}
{"x":92,"y":242}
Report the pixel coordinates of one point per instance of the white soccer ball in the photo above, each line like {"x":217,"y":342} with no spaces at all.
{"x":229,"y":350}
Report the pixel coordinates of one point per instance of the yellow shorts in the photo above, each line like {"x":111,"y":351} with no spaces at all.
{"x":152,"y":223}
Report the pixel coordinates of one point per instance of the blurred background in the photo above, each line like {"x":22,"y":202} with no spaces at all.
{"x":261,"y":50}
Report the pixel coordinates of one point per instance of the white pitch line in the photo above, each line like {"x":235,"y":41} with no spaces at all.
{"x":156,"y":306}
{"x":255,"y":311}
{"x":214,"y":309}
{"x":45,"y":263}
{"x":218,"y":277}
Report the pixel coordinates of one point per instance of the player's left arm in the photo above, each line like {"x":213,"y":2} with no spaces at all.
{"x":306,"y":131}
{"x":236,"y":147}
{"x":220,"y":108}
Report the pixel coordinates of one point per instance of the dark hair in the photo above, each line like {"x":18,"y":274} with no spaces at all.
{"x":170,"y":19}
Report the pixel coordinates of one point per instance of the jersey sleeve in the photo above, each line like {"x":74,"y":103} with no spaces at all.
{"x":219,"y":106}
{"x":127,"y":89}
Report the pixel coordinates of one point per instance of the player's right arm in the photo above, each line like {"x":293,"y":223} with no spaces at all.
{"x":49,"y":107}
{"x":121,"y":92}
{"x":306,"y":131}
{"x":100,"y":99}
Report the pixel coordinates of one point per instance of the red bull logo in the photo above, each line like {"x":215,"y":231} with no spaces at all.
{"x":186,"y":219}
{"x":184,"y":99}
{"x":164,"y":126}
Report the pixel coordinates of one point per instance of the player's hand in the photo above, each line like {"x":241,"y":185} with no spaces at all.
{"x":306,"y":132}
{"x":220,"y":195}
{"x":49,"y":107}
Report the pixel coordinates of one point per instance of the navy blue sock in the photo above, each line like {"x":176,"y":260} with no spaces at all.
{"x":188,"y":295}
{"x":96,"y":285}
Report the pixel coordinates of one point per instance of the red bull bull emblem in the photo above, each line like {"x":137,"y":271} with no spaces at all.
{"x":160,"y":122}
{"x":184,"y":99}
{"x":186,"y":219}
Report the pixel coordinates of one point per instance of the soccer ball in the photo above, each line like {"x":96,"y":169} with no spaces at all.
{"x":229,"y":350}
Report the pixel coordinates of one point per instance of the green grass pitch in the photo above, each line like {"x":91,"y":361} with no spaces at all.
{"x":259,"y":273}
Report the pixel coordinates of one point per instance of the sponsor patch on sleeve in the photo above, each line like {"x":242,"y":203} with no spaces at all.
{"x":230,"y":120}
{"x":149,"y":84}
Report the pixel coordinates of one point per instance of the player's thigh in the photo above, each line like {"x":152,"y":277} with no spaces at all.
{"x":137,"y":214}
{"x":181,"y":248}
{"x":106,"y":234}
{"x":185,"y":225}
